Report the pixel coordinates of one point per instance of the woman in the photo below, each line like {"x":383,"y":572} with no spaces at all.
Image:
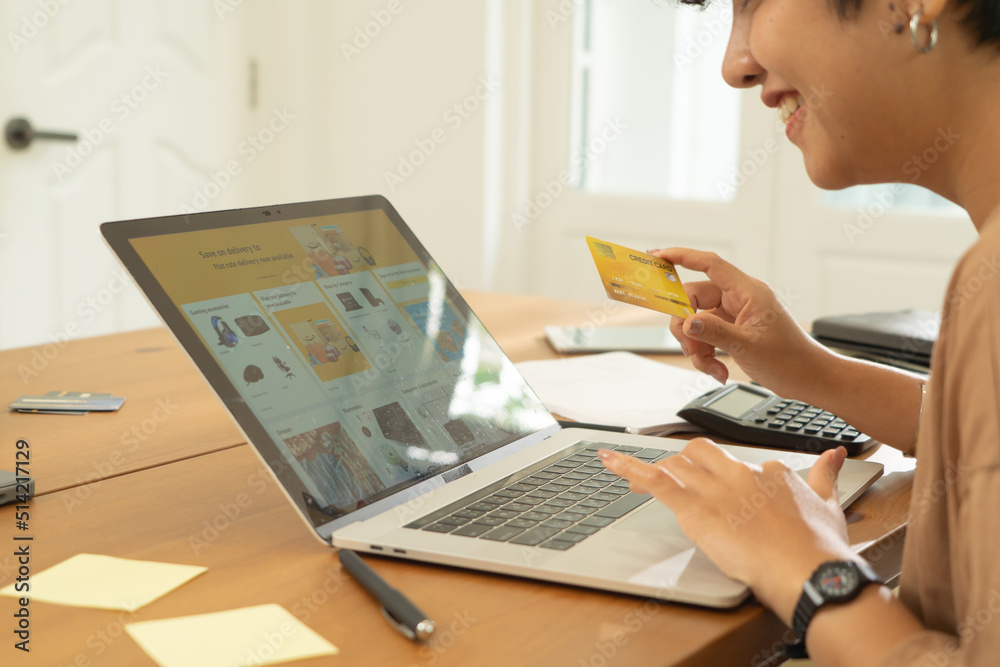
{"x":899,"y":72}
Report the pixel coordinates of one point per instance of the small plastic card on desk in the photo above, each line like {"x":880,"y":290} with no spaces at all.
{"x":68,"y":402}
{"x":638,"y":278}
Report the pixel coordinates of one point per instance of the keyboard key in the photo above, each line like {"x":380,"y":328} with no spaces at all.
{"x":628,"y":449}
{"x":502,"y":534}
{"x":596,"y":521}
{"x":606,"y":477}
{"x":504,"y":514}
{"x":579,"y":528}
{"x":578,"y":476}
{"x":531,"y":500}
{"x":561,"y":545}
{"x":490,"y":520}
{"x":521,"y":523}
{"x":570,"y":516}
{"x":535,"y":535}
{"x":557,"y":523}
{"x":604,"y":495}
{"x":615,"y":490}
{"x":482,"y":507}
{"x":509,"y":493}
{"x":572,"y":495}
{"x":561,"y":502}
{"x":545,"y":475}
{"x":524,"y":488}
{"x":535,"y":516}
{"x":594,"y":483}
{"x":579,"y":459}
{"x":567,"y":536}
{"x":557,"y":469}
{"x":495,"y":499}
{"x":557,"y":486}
{"x":517,"y":506}
{"x":622,"y":506}
{"x":468,"y":512}
{"x":455,"y":520}
{"x":542,"y":493}
{"x":591,"y":502}
{"x":472,"y":530}
{"x":440,"y":528}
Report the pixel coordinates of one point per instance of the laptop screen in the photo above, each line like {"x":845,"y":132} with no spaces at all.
{"x":343,"y":351}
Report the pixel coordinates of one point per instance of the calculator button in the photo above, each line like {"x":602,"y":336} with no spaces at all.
{"x":775,"y":424}
{"x":838,"y":423}
{"x":773,"y":411}
{"x":793,"y":427}
{"x":759,"y":420}
{"x":829,"y":433}
{"x":810,"y":430}
{"x":782,"y":404}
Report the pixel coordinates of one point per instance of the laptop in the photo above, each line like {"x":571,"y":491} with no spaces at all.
{"x":390,"y":417}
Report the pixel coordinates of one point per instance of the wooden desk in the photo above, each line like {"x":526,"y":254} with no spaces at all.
{"x":196,"y":494}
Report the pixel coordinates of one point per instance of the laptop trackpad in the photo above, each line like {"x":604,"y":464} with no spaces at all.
{"x":678,"y":562}
{"x":653,"y":519}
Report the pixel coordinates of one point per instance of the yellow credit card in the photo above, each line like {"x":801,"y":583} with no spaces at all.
{"x":638,"y":278}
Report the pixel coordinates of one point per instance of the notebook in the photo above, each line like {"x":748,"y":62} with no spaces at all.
{"x":392,"y":420}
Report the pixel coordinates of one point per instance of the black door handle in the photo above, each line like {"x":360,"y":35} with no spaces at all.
{"x":20,"y":134}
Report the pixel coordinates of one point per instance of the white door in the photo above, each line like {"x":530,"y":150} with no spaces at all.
{"x":156,"y":91}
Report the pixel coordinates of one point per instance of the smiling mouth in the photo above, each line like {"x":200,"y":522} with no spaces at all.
{"x":789,"y":105}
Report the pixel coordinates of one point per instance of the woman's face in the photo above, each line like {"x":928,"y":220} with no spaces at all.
{"x":846,"y":87}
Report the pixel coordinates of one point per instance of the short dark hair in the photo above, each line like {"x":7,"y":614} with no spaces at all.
{"x":982,"y":17}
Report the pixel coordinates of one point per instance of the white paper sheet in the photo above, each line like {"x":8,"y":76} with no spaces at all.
{"x":617,"y":389}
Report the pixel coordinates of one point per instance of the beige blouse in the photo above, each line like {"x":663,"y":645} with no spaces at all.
{"x":951,"y":562}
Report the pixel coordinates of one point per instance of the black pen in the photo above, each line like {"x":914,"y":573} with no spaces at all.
{"x":596,"y":427}
{"x":397,"y":609}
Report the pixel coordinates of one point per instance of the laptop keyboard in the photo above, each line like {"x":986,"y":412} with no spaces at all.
{"x":555,"y":504}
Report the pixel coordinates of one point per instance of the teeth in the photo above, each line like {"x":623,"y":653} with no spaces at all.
{"x":789,"y":105}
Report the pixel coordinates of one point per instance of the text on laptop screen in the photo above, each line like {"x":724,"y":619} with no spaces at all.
{"x":352,"y":351}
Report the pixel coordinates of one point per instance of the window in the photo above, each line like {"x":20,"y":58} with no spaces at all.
{"x":651,"y":115}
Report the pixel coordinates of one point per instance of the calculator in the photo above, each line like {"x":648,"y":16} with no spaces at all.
{"x":753,"y":415}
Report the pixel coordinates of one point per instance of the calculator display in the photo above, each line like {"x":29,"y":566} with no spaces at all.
{"x":736,"y":403}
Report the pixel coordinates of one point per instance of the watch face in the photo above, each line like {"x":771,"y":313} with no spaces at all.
{"x":838,"y":580}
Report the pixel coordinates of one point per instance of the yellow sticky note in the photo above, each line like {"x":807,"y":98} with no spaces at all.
{"x":262,"y":635}
{"x":638,"y":278}
{"x":105,"y":582}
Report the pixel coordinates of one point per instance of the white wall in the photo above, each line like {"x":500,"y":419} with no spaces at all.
{"x":363,"y":103}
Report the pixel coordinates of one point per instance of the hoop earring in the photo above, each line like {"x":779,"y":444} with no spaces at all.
{"x":914,"y":29}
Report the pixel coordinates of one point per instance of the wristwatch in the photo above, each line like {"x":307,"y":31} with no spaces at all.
{"x":833,"y":582}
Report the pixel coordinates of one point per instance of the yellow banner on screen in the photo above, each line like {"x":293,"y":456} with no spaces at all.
{"x":639,"y":278}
